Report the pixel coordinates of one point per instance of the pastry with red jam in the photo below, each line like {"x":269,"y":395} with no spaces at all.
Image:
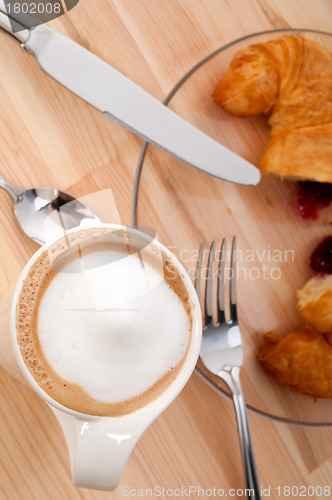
{"x":315,"y":298}
{"x":302,"y":360}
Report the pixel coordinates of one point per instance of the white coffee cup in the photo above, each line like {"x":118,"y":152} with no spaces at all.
{"x":99,"y":447}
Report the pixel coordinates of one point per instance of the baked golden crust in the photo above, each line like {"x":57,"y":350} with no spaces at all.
{"x":301,"y":360}
{"x":250,"y":86}
{"x":315,"y":303}
{"x":302,"y":153}
{"x":292,"y":77}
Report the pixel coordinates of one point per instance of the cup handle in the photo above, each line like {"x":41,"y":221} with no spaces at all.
{"x":99,"y":449}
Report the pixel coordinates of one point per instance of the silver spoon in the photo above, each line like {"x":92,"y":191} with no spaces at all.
{"x":33,"y":209}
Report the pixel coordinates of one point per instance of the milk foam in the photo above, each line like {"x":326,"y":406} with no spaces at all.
{"x":115,"y":329}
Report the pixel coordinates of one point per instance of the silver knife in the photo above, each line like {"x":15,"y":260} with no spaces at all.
{"x":108,"y":90}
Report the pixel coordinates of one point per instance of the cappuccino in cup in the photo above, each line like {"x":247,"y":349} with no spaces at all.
{"x":104,"y":321}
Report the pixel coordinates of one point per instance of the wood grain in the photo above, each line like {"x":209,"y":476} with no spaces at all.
{"x":50,"y":137}
{"x":274,"y":244}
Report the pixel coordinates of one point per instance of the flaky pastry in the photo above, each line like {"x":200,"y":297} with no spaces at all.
{"x":315,"y":303}
{"x":301,"y":360}
{"x":291,"y":78}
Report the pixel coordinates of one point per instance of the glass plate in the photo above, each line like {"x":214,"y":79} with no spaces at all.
{"x":186,"y":207}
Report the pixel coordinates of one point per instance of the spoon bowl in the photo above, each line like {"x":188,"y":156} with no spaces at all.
{"x":43,"y":213}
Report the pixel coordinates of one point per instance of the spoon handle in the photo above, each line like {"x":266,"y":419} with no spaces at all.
{"x":14,"y":193}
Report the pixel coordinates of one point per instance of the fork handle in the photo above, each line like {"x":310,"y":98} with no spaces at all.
{"x":232,"y":379}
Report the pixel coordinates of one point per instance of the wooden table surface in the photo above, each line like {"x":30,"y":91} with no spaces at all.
{"x":50,"y":137}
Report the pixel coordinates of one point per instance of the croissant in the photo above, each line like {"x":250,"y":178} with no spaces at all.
{"x":315,"y":303}
{"x":301,"y":360}
{"x":290,"y":78}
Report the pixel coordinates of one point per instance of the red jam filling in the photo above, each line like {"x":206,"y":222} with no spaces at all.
{"x":311,"y":196}
{"x":321,"y":257}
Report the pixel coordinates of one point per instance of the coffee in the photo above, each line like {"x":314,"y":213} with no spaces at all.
{"x":104,"y":321}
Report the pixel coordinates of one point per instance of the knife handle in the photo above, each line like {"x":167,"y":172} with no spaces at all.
{"x":22,"y":36}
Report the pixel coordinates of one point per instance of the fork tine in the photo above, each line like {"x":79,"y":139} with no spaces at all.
{"x":232,"y":290}
{"x":209,"y":287}
{"x":199,"y":270}
{"x":221,"y":283}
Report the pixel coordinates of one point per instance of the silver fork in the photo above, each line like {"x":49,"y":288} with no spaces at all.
{"x":222,"y":349}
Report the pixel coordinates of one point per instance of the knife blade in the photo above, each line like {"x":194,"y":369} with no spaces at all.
{"x":108,"y":90}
